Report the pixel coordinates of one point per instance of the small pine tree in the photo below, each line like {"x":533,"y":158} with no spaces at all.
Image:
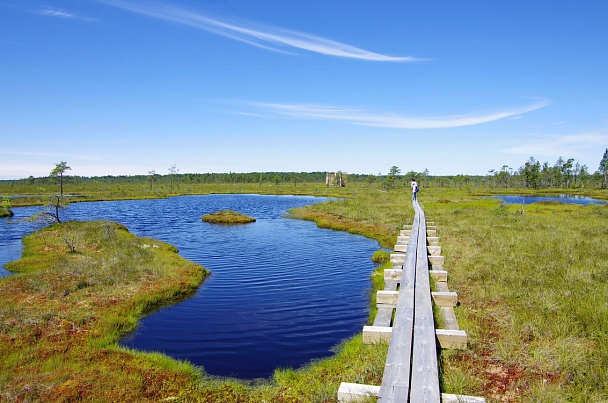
{"x":603,"y":169}
{"x":59,"y":170}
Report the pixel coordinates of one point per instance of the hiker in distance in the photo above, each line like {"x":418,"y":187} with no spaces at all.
{"x":414,"y":186}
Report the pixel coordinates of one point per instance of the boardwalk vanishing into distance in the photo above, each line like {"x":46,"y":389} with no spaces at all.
{"x":405,"y":319}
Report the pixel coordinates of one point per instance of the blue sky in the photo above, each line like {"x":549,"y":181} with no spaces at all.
{"x":456,"y":87}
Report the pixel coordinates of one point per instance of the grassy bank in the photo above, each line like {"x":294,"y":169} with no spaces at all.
{"x":4,"y":212}
{"x":81,"y":286}
{"x":32,"y":195}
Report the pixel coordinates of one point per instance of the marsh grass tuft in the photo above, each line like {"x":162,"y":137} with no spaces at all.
{"x":228,"y":217}
{"x":381,"y":256}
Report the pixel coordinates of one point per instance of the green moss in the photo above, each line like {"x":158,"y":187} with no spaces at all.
{"x":381,"y":256}
{"x":228,"y":217}
{"x":6,"y":212}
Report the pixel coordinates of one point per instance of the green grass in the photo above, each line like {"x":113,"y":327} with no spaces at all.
{"x":533,"y":295}
{"x":5,"y":212}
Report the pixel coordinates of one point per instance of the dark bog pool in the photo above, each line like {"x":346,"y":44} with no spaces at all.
{"x":562,"y":198}
{"x":282,"y":292}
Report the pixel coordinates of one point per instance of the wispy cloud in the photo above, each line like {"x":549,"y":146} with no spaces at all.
{"x":55,"y":13}
{"x":366,"y":118}
{"x":267,"y":37}
{"x":566,"y":145}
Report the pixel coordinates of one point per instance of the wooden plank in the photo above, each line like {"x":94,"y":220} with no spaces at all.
{"x":354,"y":392}
{"x":449,"y":398}
{"x":441,"y":286}
{"x":425,"y":370}
{"x":403,"y":240}
{"x":395,"y":380}
{"x":442,"y":298}
{"x":397,"y":258}
{"x":392,"y":274}
{"x":390,"y":285}
{"x":434,"y":250}
{"x":400,"y":248}
{"x":384,"y":317}
{"x":432,"y":240}
{"x":436,"y":260}
{"x":454,"y":339}
{"x":439,"y":275}
{"x":376,"y":334}
{"x":387,"y":297}
{"x":448,"y":318}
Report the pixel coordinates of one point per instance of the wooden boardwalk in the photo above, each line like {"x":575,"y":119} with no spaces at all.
{"x":405,"y":317}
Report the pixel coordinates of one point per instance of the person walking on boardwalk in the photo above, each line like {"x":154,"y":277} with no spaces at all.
{"x":414,"y":186}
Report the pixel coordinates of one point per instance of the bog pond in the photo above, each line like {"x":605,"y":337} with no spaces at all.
{"x":561,"y":198}
{"x":281,"y":293}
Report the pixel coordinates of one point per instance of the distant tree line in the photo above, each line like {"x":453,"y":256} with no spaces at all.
{"x":564,"y":173}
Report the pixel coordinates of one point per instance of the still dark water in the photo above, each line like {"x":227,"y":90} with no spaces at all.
{"x":563,"y":198}
{"x":282,"y":292}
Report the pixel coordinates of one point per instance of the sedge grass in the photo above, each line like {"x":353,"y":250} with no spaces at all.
{"x":533,"y":296}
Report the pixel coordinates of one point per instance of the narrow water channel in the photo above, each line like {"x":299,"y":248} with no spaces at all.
{"x":282,"y":292}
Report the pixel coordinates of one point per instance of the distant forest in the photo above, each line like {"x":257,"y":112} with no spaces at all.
{"x":562,"y":174}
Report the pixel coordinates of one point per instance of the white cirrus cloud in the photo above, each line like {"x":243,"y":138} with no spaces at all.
{"x":55,"y":13}
{"x":366,"y":118}
{"x":267,"y":37}
{"x":556,"y":145}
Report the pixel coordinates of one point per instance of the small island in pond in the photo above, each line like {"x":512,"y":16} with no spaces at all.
{"x":228,"y":217}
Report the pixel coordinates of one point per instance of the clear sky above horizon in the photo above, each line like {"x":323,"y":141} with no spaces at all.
{"x":122,"y":87}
